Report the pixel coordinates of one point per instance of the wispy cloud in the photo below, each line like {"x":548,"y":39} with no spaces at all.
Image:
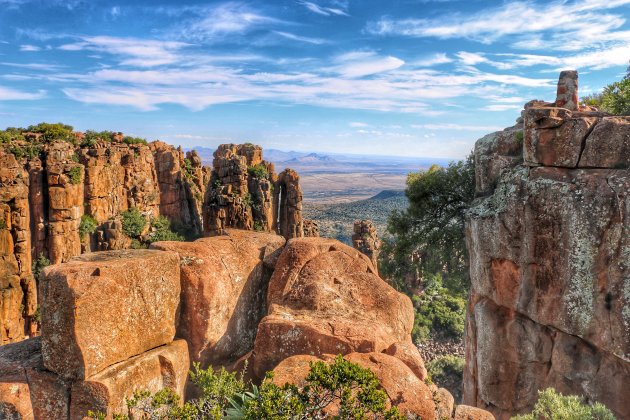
{"x":359,"y":64}
{"x":135,"y":52}
{"x":34,"y":66}
{"x":458,"y":127}
{"x":308,"y":40}
{"x":28,"y":47}
{"x":321,"y":10}
{"x":9,"y":94}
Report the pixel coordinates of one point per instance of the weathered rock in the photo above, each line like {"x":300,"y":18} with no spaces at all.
{"x":107,"y":391}
{"x":224,"y":283}
{"x":365,"y":239}
{"x":310,"y":228}
{"x":288,"y":202}
{"x":27,"y":390}
{"x":567,"y":93}
{"x":465,"y":412}
{"x":444,"y":404}
{"x":495,"y":152}
{"x":102,"y":308}
{"x":408,"y":353}
{"x":549,"y":268}
{"x":404,"y":389}
{"x":608,"y":145}
{"x":325,"y":297}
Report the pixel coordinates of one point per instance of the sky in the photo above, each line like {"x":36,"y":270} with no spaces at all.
{"x":399,"y":77}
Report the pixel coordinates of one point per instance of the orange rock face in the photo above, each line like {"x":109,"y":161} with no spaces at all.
{"x":548,"y":263}
{"x":102,"y":308}
{"x":365,"y":239}
{"x":224,"y":283}
{"x":107,"y":391}
{"x":325,"y":298}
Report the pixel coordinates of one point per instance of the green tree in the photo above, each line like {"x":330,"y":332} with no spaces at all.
{"x":50,"y":132}
{"x":428,"y":238}
{"x":615,"y":98}
{"x":133,"y":223}
{"x":162,"y":231}
{"x":87,"y":226}
{"x":39,"y":264}
{"x":552,"y":405}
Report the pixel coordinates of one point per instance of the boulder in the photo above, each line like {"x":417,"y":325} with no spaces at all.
{"x":465,"y":412}
{"x":27,"y":390}
{"x":105,"y":307}
{"x":224,"y":283}
{"x":403,"y":388}
{"x":325,"y":298}
{"x":107,"y":391}
{"x":608,"y":145}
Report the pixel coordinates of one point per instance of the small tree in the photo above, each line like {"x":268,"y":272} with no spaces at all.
{"x":133,"y":223}
{"x":616,"y":98}
{"x":552,"y":405}
{"x":87,"y":226}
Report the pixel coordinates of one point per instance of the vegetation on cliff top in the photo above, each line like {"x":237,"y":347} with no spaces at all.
{"x":552,"y":405}
{"x":614,"y":98}
{"x":347,"y":389}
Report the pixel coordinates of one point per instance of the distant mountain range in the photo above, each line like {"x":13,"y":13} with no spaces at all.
{"x":311,"y":158}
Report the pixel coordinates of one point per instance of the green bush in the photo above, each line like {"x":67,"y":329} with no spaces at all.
{"x":133,"y":223}
{"x":39,"y":264}
{"x":594,"y":99}
{"x":28,"y":151}
{"x":350,"y":390}
{"x":75,"y":174}
{"x":11,"y":134}
{"x":616,"y":98}
{"x":552,"y":405}
{"x":258,"y":171}
{"x":438,"y":313}
{"x":134,"y":140}
{"x":443,"y":367}
{"x":163,"y":231}
{"x":87,"y":226}
{"x":53,"y":132}
{"x":91,"y":137}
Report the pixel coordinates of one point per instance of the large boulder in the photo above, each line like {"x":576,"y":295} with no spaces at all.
{"x":403,"y":388}
{"x":224,"y":283}
{"x":608,"y":146}
{"x":107,"y":391}
{"x":105,"y":307}
{"x":325,"y":297}
{"x":27,"y":390}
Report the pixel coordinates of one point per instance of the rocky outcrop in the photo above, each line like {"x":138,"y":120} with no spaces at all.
{"x":310,"y":228}
{"x":365,"y":239}
{"x":288,"y":203}
{"x":224,"y":286}
{"x":548,"y":241}
{"x":108,"y":327}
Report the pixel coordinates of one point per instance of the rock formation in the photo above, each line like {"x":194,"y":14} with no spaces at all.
{"x":246,"y":193}
{"x":549,"y":241}
{"x":365,"y":239}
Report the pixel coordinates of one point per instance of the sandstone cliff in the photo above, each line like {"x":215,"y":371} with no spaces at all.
{"x":549,"y":243}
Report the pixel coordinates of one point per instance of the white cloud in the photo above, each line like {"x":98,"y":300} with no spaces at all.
{"x":136,"y":52}
{"x":34,"y":66}
{"x":357,"y":124}
{"x":359,"y":64}
{"x":27,"y":47}
{"x":434,"y":60}
{"x":324,"y":11}
{"x":502,"y":107}
{"x":9,"y":94}
{"x":316,"y":41}
{"x":458,"y":127}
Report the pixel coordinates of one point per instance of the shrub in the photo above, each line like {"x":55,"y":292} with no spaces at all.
{"x":552,"y":405}
{"x":52,"y":132}
{"x":91,"y":137}
{"x":258,"y":171}
{"x":39,"y":264}
{"x":616,"y":98}
{"x":188,"y":168}
{"x":163,"y":231}
{"x":259,"y":226}
{"x":87,"y":226}
{"x":28,"y":151}
{"x":519,"y":136}
{"x":438,"y":313}
{"x":75,"y":174}
{"x":3,"y":224}
{"x":11,"y":134}
{"x":594,"y":99}
{"x":442,"y":367}
{"x":133,"y":223}
{"x":134,"y":140}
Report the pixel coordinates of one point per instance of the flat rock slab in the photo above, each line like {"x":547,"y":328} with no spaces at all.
{"x":107,"y":392}
{"x":27,"y":390}
{"x":105,"y":307}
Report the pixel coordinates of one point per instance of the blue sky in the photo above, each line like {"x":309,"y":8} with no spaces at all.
{"x":407,"y":77}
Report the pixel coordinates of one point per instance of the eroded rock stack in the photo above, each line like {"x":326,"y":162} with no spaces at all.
{"x":246,"y":193}
{"x":365,"y":239}
{"x":549,"y":239}
{"x":52,"y":185}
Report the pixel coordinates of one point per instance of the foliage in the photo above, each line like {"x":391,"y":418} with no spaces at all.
{"x":258,"y":171}
{"x":28,"y":151}
{"x":75,"y":174}
{"x":39,"y":264}
{"x":594,"y":99}
{"x":133,"y":223}
{"x":616,"y":98}
{"x":552,"y":405}
{"x":438,"y":313}
{"x":37,"y":316}
{"x":91,"y":137}
{"x":442,"y":367}
{"x":134,"y":140}
{"x":3,"y":224}
{"x":247,"y":200}
{"x":162,"y":231}
{"x":87,"y":226}
{"x":259,"y":226}
{"x":188,"y":168}
{"x":349,"y":389}
{"x":11,"y":134}
{"x":136,"y":244}
{"x":428,"y":237}
{"x":51,"y":132}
